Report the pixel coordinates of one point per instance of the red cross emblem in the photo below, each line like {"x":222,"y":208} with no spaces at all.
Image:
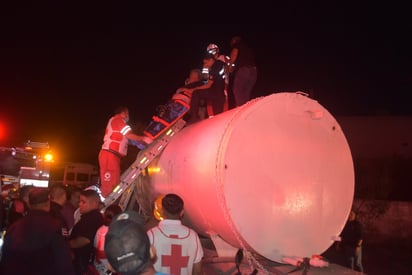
{"x":175,"y":261}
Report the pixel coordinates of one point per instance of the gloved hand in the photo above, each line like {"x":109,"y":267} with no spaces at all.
{"x":147,"y":140}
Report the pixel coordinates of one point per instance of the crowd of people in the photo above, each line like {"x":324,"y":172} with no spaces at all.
{"x":43,"y":241}
{"x":48,"y":239}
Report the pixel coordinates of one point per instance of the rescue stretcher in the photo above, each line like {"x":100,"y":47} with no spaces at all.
{"x":165,"y":117}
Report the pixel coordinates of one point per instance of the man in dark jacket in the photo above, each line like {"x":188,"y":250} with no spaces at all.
{"x":58,"y":198}
{"x":34,"y":244}
{"x":352,"y":242}
{"x":83,"y":233}
{"x":243,"y":72}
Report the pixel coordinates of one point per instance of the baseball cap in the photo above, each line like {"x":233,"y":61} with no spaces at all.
{"x":127,"y":246}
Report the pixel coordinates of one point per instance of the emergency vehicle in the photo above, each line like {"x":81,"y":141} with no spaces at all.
{"x":28,"y":165}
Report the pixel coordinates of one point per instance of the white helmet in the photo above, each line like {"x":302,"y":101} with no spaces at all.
{"x":212,"y":48}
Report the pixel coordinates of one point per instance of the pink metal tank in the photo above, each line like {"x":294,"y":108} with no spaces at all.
{"x":274,"y":176}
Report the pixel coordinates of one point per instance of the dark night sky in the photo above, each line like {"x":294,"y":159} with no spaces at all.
{"x":64,"y":69}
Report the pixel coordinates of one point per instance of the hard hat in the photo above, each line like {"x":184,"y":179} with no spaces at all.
{"x":212,"y":48}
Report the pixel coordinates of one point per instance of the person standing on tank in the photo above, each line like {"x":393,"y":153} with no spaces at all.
{"x":243,"y":72}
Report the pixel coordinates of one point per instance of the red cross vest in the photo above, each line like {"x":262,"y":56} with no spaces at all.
{"x":114,"y":137}
{"x":177,"y":247}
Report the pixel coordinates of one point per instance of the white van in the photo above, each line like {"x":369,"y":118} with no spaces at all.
{"x":75,"y":174}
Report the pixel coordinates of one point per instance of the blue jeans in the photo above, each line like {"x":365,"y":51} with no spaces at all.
{"x":354,"y":258}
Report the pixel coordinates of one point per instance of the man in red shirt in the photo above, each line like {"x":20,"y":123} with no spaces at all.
{"x":114,"y":147}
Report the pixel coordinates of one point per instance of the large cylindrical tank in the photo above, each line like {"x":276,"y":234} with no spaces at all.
{"x":274,"y":176}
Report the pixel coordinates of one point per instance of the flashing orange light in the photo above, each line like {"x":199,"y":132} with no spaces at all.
{"x":157,"y":211}
{"x":153,"y":169}
{"x":48,"y":157}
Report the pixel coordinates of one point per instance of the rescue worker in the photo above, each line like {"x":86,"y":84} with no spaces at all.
{"x":212,"y":90}
{"x":116,"y":138}
{"x":215,"y":51}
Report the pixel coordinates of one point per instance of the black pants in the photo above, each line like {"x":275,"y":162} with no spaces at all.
{"x":216,"y":98}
